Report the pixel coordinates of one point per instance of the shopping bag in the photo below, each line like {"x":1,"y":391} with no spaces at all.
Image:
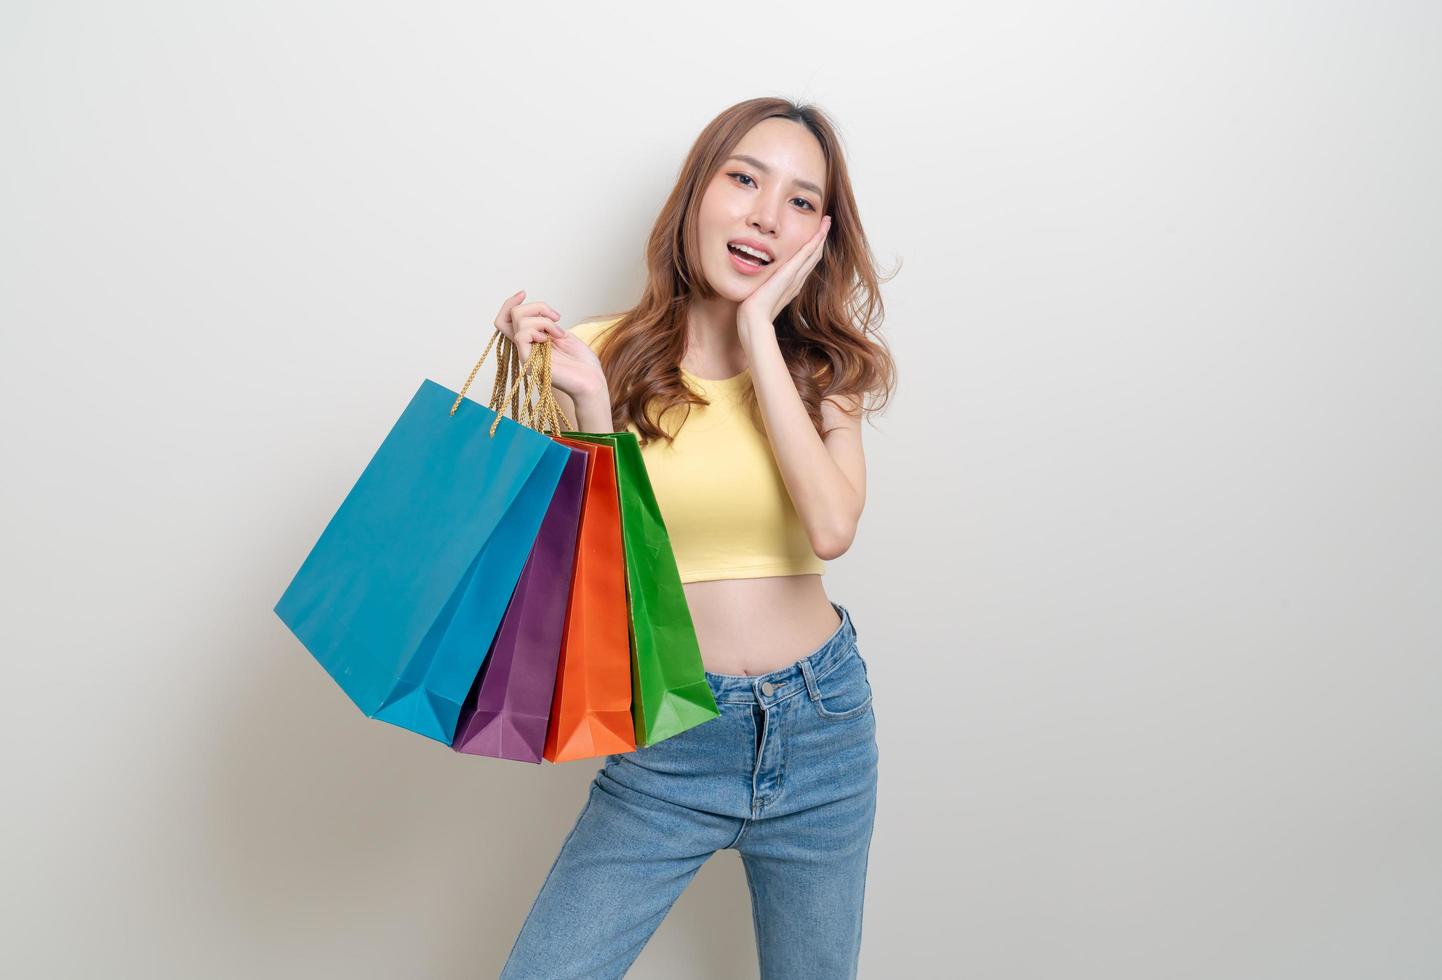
{"x":670,"y":693}
{"x":401,"y":596}
{"x":506,"y":714}
{"x":591,"y":707}
{"x":591,"y":698}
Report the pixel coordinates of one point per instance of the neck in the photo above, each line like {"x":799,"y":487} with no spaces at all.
{"x":711,"y":329}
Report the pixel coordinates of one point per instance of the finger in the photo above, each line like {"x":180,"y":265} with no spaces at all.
{"x":806,"y":256}
{"x":818,"y":240}
{"x":816,"y":253}
{"x":538,"y":325}
{"x":529,"y":340}
{"x":822,"y":234}
{"x":816,"y":259}
{"x":503,"y":316}
{"x":806,"y":261}
{"x":536,"y":308}
{"x":794,"y":284}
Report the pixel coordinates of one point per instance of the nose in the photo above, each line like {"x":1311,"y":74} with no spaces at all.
{"x":763,"y":218}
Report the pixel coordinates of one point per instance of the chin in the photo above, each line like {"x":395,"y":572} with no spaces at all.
{"x":727,"y":287}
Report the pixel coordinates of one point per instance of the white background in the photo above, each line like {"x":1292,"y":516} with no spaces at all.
{"x":1149,"y":576}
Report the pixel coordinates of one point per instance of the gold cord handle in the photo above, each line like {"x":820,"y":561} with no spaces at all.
{"x":548,"y":417}
{"x":508,"y":386}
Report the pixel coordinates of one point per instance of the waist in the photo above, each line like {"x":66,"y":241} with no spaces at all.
{"x":752,"y":626}
{"x":795,"y":677}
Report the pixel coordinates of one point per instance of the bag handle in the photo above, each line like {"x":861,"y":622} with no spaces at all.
{"x":507,"y":365}
{"x":549,"y":415}
{"x":508,"y":387}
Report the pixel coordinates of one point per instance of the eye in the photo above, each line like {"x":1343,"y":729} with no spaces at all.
{"x":809,"y":206}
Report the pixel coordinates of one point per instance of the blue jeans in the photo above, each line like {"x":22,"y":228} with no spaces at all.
{"x":786,"y":775}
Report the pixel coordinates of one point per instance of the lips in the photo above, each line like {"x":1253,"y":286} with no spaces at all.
{"x":747,"y":260}
{"x":755,"y":246}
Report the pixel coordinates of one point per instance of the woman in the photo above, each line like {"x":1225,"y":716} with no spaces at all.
{"x":742,"y":370}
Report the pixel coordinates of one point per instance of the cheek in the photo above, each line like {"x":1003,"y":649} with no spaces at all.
{"x":717,"y":202}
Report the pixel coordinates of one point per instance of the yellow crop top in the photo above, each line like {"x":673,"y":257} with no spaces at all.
{"x":727,"y":510}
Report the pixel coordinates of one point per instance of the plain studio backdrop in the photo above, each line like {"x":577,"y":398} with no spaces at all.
{"x":1149,"y":573}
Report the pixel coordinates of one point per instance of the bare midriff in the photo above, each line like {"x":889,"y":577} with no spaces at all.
{"x":751,"y":626}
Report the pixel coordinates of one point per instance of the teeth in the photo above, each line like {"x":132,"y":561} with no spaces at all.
{"x":762,"y":256}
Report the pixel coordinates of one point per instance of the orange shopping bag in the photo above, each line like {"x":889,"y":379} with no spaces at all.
{"x":591,"y":706}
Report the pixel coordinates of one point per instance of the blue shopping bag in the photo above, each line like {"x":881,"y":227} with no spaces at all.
{"x":402,"y":595}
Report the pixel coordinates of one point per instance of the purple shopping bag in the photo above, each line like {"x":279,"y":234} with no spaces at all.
{"x":509,"y":707}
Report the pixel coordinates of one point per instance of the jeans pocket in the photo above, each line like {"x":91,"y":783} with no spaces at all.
{"x":844,"y":691}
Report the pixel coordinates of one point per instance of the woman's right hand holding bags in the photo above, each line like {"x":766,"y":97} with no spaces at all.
{"x":575,"y":368}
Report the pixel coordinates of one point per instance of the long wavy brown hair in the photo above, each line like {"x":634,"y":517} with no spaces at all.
{"x":829,"y":334}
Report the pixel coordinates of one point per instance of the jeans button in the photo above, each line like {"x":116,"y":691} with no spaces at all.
{"x":767,"y":688}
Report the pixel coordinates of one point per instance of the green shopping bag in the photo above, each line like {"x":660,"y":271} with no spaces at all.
{"x":669,"y":692}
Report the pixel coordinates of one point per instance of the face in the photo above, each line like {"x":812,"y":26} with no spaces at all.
{"x":769,"y":192}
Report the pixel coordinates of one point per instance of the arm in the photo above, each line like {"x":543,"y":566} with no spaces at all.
{"x":592,"y":413}
{"x":826,"y":478}
{"x":588,"y":402}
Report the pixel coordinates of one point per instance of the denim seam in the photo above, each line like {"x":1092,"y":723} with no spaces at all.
{"x":865,"y":870}
{"x":760,"y":751}
{"x":783,"y":749}
{"x":836,"y":664}
{"x":846,"y":715}
{"x":814,"y":692}
{"x":783,"y":697}
{"x":745,"y":825}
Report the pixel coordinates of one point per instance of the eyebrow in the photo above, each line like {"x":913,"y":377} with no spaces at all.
{"x":804,"y":184}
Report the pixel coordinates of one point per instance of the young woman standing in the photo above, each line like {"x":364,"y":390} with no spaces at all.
{"x":743,"y":370}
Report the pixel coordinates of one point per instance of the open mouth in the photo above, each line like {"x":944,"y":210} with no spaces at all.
{"x":747,"y":257}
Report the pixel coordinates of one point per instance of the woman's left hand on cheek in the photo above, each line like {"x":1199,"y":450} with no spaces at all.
{"x":783,"y":285}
